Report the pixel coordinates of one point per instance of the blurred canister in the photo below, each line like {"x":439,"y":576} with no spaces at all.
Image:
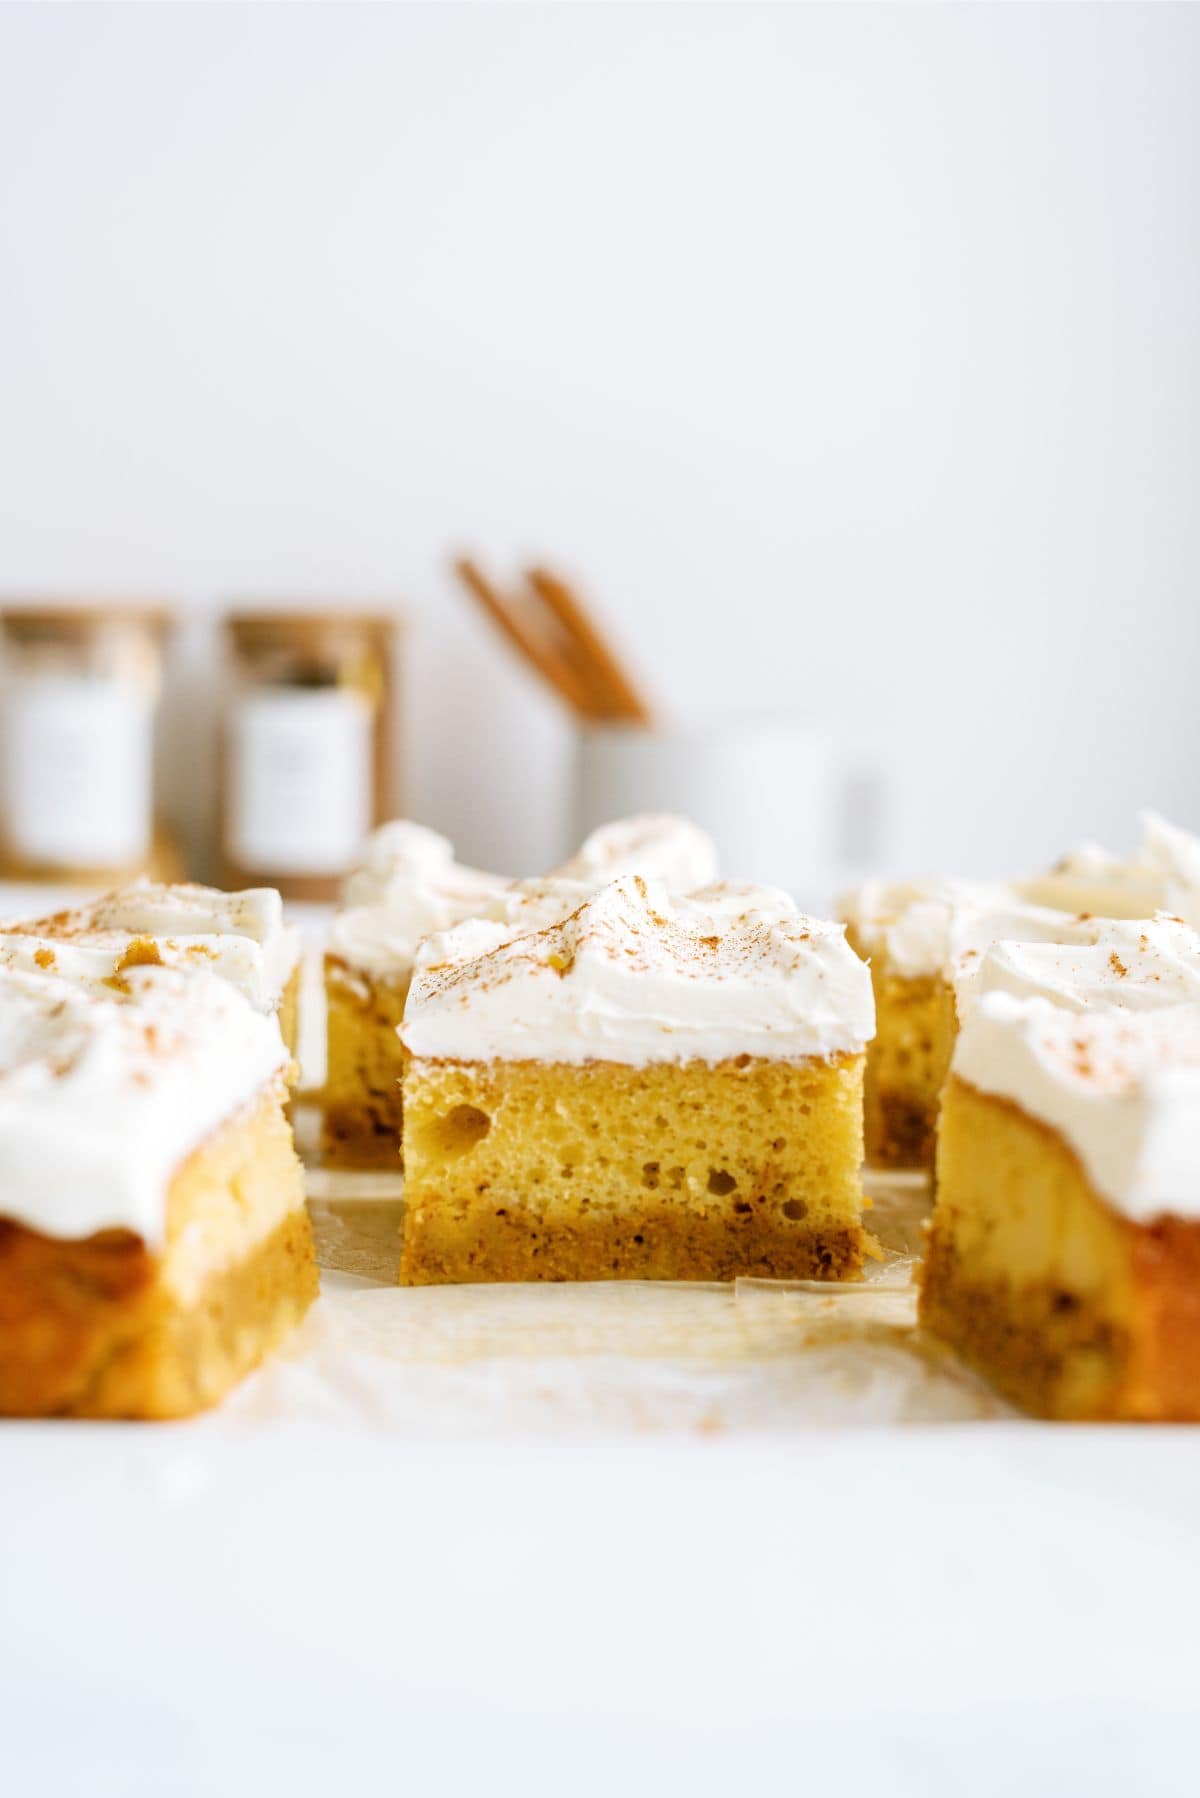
{"x":81,"y":688}
{"x":307,"y":752}
{"x":765,"y":789}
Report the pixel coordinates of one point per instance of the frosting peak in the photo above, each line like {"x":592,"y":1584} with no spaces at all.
{"x":634,"y":974}
{"x":407,"y":885}
{"x":1163,"y":876}
{"x":394,"y":855}
{"x":657,"y":845}
{"x":928,"y":927}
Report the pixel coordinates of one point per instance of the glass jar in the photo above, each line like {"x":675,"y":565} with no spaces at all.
{"x":81,"y":686}
{"x":307,"y":767}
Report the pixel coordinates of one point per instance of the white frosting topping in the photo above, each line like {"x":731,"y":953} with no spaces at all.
{"x":911,"y":923}
{"x":658,"y":845}
{"x":527,"y":905}
{"x":1092,"y":880}
{"x":1163,"y":876}
{"x":383,"y":938}
{"x":1134,"y":966}
{"x":636,"y":975}
{"x":942,"y":928}
{"x":102,"y":1098}
{"x":927,"y":928}
{"x":1120,"y":1087}
{"x":239,"y":936}
{"x":1174,"y":857}
{"x":409,"y":886}
{"x":397,"y":852}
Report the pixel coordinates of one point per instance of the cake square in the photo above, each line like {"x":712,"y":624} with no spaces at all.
{"x":154,"y":1241}
{"x":924,"y":939}
{"x":408,"y":886}
{"x":649,"y":1087}
{"x":1064,"y":1250}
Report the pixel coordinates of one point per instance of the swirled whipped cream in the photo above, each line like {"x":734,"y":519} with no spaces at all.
{"x":1121,"y":1088}
{"x":1164,"y":875}
{"x":635,"y":975}
{"x":942,"y":928}
{"x":407,"y":885}
{"x":928,"y":928}
{"x":1133,"y":965}
{"x":1089,"y":879}
{"x":528,"y":905}
{"x":239,"y":936}
{"x":393,"y":858}
{"x":103,"y":1098}
{"x":657,"y":845}
{"x":1174,"y":855}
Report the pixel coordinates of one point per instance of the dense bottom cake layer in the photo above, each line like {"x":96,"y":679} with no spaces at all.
{"x":644,"y":1243}
{"x":1068,"y":1308}
{"x":105,"y":1328}
{"x":907,"y":1066}
{"x":362,"y":1108}
{"x":544,"y":1171}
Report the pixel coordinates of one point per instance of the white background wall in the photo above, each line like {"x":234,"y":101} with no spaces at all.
{"x":852,"y":357}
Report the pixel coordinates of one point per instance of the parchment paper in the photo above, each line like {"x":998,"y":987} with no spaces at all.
{"x":641,"y":1355}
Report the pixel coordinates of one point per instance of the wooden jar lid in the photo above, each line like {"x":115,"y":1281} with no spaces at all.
{"x":75,"y":617}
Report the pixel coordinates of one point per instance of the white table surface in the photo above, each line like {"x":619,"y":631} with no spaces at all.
{"x":208,"y":1608}
{"x":292,"y":1596}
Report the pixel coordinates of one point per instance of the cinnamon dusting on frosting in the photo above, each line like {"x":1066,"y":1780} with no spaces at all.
{"x":1121,"y":1087}
{"x":635,"y":975}
{"x":241,"y":936}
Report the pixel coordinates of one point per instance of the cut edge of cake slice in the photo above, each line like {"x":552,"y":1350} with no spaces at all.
{"x":651,"y":1087}
{"x":154,"y":1241}
{"x":924,"y":938}
{"x":1063,"y":1259}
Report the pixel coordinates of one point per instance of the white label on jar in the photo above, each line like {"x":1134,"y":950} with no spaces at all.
{"x":299,"y":780}
{"x":78,"y":770}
